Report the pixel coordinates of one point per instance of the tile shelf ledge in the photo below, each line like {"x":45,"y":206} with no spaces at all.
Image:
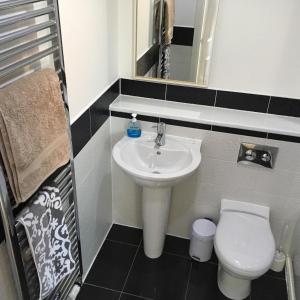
{"x":208,"y":115}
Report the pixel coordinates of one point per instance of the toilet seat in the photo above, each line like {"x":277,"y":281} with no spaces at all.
{"x":244,"y":243}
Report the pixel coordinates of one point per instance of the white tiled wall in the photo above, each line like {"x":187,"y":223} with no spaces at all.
{"x":219,"y":176}
{"x":93,"y":179}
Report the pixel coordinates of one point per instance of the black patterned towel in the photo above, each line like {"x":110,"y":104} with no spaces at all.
{"x":48,"y":237}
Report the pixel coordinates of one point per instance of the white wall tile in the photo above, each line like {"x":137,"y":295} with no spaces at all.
{"x":288,"y":155}
{"x":219,"y":176}
{"x":94,"y":188}
{"x":226,"y":146}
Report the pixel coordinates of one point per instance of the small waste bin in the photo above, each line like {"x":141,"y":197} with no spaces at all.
{"x":202,"y":240}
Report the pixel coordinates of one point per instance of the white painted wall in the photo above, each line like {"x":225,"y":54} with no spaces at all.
{"x":145,"y":23}
{"x":185,"y":12}
{"x":219,"y":176}
{"x":126,"y":29}
{"x":90,"y":39}
{"x":256,"y":46}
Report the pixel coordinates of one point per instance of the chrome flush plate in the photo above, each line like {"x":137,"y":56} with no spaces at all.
{"x":262,"y":155}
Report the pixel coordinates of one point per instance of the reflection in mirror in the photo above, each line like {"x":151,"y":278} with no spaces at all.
{"x":174,"y":39}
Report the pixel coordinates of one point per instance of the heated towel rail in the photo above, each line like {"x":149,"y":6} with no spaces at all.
{"x":30,"y":39}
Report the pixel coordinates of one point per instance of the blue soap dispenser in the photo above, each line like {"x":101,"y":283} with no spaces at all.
{"x":134,"y":127}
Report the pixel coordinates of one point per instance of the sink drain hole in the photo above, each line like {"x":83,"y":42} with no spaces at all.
{"x":156,"y":172}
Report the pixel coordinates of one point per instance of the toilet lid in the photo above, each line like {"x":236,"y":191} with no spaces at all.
{"x":244,"y":243}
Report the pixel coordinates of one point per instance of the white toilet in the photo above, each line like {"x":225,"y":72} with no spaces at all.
{"x":244,"y":245}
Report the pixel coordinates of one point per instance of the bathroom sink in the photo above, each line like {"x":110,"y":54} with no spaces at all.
{"x":152,"y":166}
{"x":157,"y":169}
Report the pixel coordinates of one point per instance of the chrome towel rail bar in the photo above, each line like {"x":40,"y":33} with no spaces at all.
{"x":23,"y":32}
{"x":15,"y":3}
{"x":27,"y":61}
{"x":27,"y":15}
{"x":7,"y":54}
{"x":30,"y":33}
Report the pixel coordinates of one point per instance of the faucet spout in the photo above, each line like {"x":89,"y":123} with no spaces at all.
{"x":160,"y":139}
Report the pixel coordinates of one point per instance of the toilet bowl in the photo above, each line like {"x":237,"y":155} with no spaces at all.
{"x":244,"y":245}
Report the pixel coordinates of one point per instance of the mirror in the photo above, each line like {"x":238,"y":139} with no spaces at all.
{"x":174,"y":39}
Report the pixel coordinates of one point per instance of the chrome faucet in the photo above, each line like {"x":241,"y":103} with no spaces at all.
{"x":160,"y":140}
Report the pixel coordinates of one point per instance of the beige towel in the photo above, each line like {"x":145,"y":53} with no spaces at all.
{"x":169,"y":21}
{"x":34,"y":139}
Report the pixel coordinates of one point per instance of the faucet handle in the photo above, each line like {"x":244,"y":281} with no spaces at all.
{"x":161,"y":128}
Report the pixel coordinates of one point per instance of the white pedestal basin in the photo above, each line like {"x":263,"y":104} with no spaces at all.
{"x":157,"y":170}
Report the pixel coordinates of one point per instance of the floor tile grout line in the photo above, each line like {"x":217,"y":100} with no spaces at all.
{"x":189,"y":279}
{"x":137,"y":296}
{"x":135,"y":255}
{"x":101,"y":287}
{"x":274,"y":277}
{"x":120,"y":242}
{"x":189,"y":258}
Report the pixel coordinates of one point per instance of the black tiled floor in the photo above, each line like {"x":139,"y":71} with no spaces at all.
{"x":122,"y":271}
{"x":268,"y":288}
{"x":112,"y":265}
{"x":125,"y":234}
{"x":161,"y":279}
{"x":203,"y":283}
{"x":131,"y":297}
{"x":93,"y":292}
{"x":180,"y":246}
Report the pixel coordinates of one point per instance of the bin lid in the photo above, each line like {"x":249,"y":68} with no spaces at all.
{"x":204,"y":228}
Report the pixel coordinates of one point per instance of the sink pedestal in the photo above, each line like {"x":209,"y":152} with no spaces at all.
{"x":156,"y":207}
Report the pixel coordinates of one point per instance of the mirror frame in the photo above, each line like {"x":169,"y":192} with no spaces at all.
{"x":205,"y":82}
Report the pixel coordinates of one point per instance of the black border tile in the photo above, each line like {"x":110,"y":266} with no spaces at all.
{"x":93,"y":118}
{"x":143,"y":89}
{"x":139,"y":117}
{"x":81,"y":132}
{"x":231,"y":130}
{"x":100,"y":109}
{"x":284,"y":106}
{"x":191,"y":95}
{"x":147,"y":61}
{"x":242,"y":101}
{"x":284,"y":138}
{"x":186,"y":124}
{"x":183,"y":36}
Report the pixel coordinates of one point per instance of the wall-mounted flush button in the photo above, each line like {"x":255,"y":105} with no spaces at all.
{"x":257,"y":154}
{"x":250,"y":155}
{"x":266,"y":157}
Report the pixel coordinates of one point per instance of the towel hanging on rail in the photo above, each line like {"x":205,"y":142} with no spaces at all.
{"x":168,"y":31}
{"x":34,"y":139}
{"x":48,"y":238}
